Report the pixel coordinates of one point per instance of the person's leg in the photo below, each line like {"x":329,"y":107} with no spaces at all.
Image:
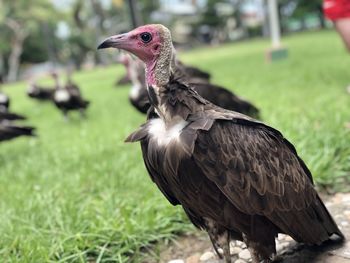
{"x":343,"y":27}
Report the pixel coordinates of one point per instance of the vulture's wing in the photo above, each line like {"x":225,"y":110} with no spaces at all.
{"x":255,"y":167}
{"x":261,"y":174}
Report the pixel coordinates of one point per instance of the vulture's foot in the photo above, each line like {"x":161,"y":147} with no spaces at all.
{"x":220,"y":238}
{"x":260,"y":253}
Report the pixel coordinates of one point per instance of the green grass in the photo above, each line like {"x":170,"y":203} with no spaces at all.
{"x":78,"y":193}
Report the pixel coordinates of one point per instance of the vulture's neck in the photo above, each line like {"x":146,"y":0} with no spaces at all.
{"x":158,"y":72}
{"x":57,"y":83}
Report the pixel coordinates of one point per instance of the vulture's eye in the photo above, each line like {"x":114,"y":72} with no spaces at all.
{"x":146,"y":37}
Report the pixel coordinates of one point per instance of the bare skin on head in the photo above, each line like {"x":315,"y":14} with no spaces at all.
{"x":153,"y":45}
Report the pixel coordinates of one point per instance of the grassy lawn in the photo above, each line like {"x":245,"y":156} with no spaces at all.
{"x":78,"y":193}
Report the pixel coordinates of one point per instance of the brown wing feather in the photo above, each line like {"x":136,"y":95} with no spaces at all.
{"x":256,"y":164}
{"x":261,"y":174}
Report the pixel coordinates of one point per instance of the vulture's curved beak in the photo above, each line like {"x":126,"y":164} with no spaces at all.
{"x":116,"y":41}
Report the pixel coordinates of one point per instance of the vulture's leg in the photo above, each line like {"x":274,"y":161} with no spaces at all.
{"x":213,"y":232}
{"x":259,"y":252}
{"x":82,"y":113}
{"x":219,"y":237}
{"x":215,"y":245}
{"x":65,"y":115}
{"x":224,"y":243}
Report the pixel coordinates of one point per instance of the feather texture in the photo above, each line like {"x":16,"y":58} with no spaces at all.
{"x":234,"y":171}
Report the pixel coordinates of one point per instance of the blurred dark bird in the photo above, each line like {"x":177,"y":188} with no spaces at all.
{"x":8,"y":116}
{"x":69,"y":98}
{"x":4,"y":102}
{"x":218,"y":95}
{"x":225,"y":99}
{"x":46,"y":93}
{"x":9,"y":131}
{"x":195,"y":75}
{"x":234,"y":176}
{"x":40,"y":93}
{"x":124,"y":80}
{"x":138,"y":95}
{"x":5,"y":114}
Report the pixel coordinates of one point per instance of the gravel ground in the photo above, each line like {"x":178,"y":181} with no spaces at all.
{"x":196,"y":248}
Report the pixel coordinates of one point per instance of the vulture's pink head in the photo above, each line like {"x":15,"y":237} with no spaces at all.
{"x":150,"y":43}
{"x":145,"y":41}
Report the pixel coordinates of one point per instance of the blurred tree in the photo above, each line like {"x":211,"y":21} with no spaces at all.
{"x":33,"y":28}
{"x":89,"y":22}
{"x":212,"y":24}
{"x":4,"y":49}
{"x":35,"y":49}
{"x":210,"y":16}
{"x":299,"y":9}
{"x":135,"y":15}
{"x":21,"y":17}
{"x":42,"y":44}
{"x":147,"y":7}
{"x":305,"y":7}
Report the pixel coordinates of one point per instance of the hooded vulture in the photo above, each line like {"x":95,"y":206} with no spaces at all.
{"x":4,"y":102}
{"x":40,"y":93}
{"x":5,"y":114}
{"x":9,"y":130}
{"x":235,"y":177}
{"x":195,"y":74}
{"x":69,"y":98}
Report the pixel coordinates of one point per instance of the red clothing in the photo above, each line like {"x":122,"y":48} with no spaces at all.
{"x":336,"y":9}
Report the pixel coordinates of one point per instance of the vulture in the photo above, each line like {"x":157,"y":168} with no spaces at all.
{"x":46,"y":93}
{"x":235,"y":177}
{"x":216,"y":94}
{"x":197,"y":75}
{"x":8,"y":116}
{"x":4,"y":102}
{"x":5,"y":115}
{"x":68,"y":98}
{"x":124,"y":80}
{"x":9,"y":130}
{"x":138,"y":95}
{"x":39,"y":93}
